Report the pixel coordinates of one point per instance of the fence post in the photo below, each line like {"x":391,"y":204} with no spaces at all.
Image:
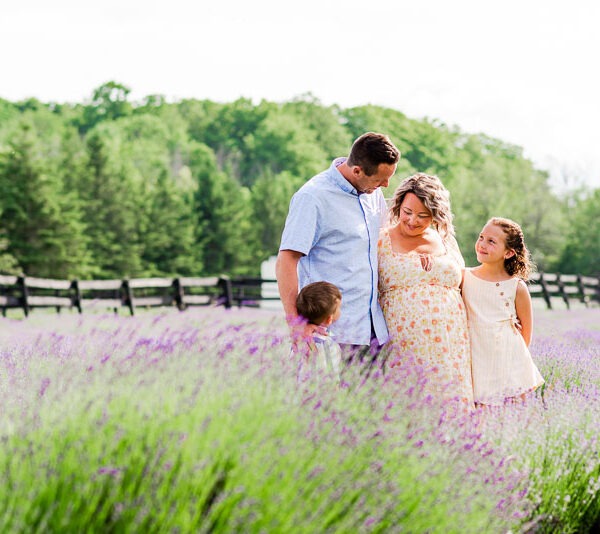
{"x":545,"y":291}
{"x":178,"y":294}
{"x":561,"y":288}
{"x":224,"y":284}
{"x":597,"y":296}
{"x":581,"y":288}
{"x":127,"y":295}
{"x":76,"y":299}
{"x":24,"y":294}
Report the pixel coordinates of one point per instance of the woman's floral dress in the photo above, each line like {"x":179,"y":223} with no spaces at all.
{"x":425,"y":315}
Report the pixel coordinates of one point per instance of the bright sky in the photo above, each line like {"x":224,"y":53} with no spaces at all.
{"x":524,"y":71}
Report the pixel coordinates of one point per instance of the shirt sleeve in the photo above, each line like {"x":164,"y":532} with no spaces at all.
{"x":301,"y":226}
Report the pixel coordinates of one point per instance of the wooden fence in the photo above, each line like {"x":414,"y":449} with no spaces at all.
{"x":567,"y":287}
{"x":28,"y":293}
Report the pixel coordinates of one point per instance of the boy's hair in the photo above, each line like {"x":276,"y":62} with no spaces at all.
{"x":317,"y":301}
{"x":520,"y":264}
{"x":372,"y":149}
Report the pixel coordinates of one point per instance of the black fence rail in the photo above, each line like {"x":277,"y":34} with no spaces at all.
{"x":28,"y":293}
{"x":567,"y":287}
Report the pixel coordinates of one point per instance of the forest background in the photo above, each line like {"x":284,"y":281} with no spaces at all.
{"x":111,"y":188}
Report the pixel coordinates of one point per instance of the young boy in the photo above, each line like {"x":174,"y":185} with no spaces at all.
{"x":320,"y":303}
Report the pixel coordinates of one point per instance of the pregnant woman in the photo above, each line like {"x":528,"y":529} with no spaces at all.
{"x":420,"y":272}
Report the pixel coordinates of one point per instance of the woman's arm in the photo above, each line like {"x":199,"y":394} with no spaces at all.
{"x":524,"y":311}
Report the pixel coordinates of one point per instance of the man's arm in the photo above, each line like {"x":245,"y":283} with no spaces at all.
{"x":287,"y":280}
{"x":286,"y":272}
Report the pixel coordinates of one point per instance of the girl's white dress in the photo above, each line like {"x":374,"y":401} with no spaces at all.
{"x":501,"y":362}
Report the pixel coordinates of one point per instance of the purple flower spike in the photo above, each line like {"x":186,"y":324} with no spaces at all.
{"x":44,"y":387}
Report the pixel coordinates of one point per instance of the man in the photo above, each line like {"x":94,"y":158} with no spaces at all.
{"x":331,"y":234}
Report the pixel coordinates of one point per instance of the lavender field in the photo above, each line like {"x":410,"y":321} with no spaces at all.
{"x":195,"y":422}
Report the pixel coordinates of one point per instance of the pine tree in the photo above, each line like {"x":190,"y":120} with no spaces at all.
{"x":42,"y":220}
{"x":224,"y":231}
{"x":169,"y":240}
{"x":112,"y":206}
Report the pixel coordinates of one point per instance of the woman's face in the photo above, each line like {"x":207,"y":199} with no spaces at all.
{"x":415,"y":218}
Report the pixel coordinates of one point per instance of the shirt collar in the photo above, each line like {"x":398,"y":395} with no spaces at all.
{"x":339,"y":179}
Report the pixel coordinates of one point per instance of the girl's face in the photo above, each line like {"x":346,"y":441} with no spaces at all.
{"x":415,"y":218}
{"x":491,"y":245}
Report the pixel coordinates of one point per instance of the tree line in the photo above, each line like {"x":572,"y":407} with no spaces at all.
{"x":111,"y":188}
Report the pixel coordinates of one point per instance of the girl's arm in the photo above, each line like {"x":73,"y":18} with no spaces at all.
{"x":524,"y":311}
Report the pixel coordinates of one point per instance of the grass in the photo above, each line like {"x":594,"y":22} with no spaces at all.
{"x":194,"y":422}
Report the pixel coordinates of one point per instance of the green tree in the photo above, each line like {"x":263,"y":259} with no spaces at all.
{"x":42,"y":220}
{"x":112,"y":200}
{"x":224,"y":231}
{"x":230,"y":136}
{"x":201,"y":119}
{"x":282,"y":143}
{"x":271,"y":196}
{"x":9,"y":114}
{"x":8,"y":263}
{"x":327,"y":124}
{"x":494,"y":179}
{"x":169,"y":246}
{"x":582,"y":250}
{"x":219,"y":175}
{"x":109,"y":102}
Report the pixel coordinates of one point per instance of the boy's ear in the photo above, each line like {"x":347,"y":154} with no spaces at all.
{"x":328,"y":321}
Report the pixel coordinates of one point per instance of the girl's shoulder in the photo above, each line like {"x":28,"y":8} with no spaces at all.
{"x":521,"y":284}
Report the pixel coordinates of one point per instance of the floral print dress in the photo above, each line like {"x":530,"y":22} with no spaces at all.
{"x":425,"y":315}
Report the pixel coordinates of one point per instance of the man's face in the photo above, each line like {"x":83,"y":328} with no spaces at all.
{"x":368,"y":184}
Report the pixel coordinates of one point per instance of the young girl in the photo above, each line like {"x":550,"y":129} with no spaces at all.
{"x":499,"y":315}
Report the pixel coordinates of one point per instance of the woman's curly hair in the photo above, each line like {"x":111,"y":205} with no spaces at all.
{"x":434,"y":196}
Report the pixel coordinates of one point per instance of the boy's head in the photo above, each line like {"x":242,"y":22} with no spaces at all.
{"x":319,"y":303}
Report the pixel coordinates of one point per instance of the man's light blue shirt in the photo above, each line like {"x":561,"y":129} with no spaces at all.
{"x":337,"y":229}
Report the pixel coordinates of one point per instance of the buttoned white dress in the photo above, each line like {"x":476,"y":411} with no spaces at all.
{"x":501,"y":362}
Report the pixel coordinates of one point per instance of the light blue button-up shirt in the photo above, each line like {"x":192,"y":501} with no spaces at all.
{"x":337,"y":229}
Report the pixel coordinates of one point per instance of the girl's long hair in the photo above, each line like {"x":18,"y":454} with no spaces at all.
{"x":520,"y":264}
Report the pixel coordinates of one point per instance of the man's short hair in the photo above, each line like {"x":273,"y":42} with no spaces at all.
{"x":370,"y":150}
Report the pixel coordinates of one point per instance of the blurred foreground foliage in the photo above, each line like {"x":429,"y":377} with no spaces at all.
{"x":196,"y":422}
